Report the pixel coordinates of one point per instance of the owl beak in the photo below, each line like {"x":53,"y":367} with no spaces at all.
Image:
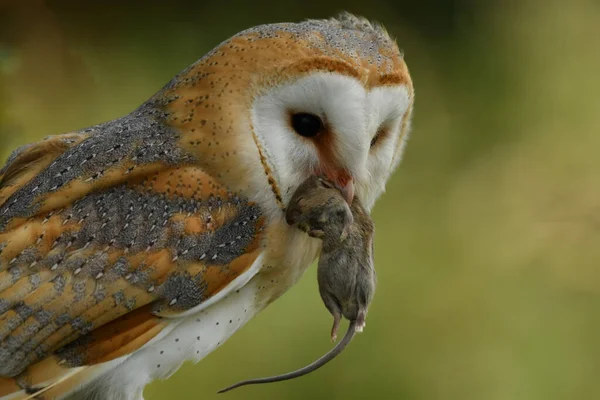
{"x":347,"y":190}
{"x":344,"y":182}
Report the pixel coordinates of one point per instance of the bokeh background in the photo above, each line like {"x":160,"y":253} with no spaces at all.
{"x":488,"y":239}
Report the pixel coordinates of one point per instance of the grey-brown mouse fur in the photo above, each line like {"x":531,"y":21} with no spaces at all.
{"x":345,"y":273}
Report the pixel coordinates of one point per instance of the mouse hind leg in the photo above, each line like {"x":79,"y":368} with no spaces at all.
{"x":335,"y":310}
{"x":337,"y":316}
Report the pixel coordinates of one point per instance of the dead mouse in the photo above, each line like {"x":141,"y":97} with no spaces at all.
{"x":318,"y":208}
{"x":345,"y":273}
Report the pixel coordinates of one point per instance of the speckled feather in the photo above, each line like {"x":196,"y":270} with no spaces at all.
{"x":110,"y":236}
{"x":101,"y":223}
{"x":169,"y":238}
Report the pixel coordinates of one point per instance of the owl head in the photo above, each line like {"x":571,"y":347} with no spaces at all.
{"x":278,"y":103}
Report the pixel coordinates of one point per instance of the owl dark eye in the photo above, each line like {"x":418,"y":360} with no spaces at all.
{"x":307,"y":125}
{"x":380,"y":133}
{"x":374,"y":140}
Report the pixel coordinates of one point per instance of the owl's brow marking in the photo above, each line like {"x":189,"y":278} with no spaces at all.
{"x":393,"y":80}
{"x":323,"y":64}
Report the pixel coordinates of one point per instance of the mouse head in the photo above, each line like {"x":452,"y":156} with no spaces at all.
{"x":318,"y":208}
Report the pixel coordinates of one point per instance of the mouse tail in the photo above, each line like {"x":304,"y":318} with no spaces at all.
{"x":330,"y":355}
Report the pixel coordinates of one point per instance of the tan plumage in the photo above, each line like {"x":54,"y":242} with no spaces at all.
{"x":111,"y":294}
{"x":117,"y":237}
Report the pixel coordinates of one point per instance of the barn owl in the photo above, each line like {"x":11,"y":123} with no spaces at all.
{"x":134,"y":245}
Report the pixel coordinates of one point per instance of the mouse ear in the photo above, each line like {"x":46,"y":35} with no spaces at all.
{"x":347,"y":227}
{"x":345,"y":232}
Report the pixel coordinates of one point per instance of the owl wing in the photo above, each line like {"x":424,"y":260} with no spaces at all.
{"x":92,"y":264}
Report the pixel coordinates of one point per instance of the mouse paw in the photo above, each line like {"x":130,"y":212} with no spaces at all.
{"x":316,"y":233}
{"x":360,"y":322}
{"x":360,"y":328}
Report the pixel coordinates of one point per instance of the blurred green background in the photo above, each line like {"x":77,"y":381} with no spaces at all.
{"x":488,"y":238}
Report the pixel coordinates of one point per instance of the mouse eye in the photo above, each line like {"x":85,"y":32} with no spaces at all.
{"x":341,"y":214}
{"x":325,"y":184}
{"x":307,"y":125}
